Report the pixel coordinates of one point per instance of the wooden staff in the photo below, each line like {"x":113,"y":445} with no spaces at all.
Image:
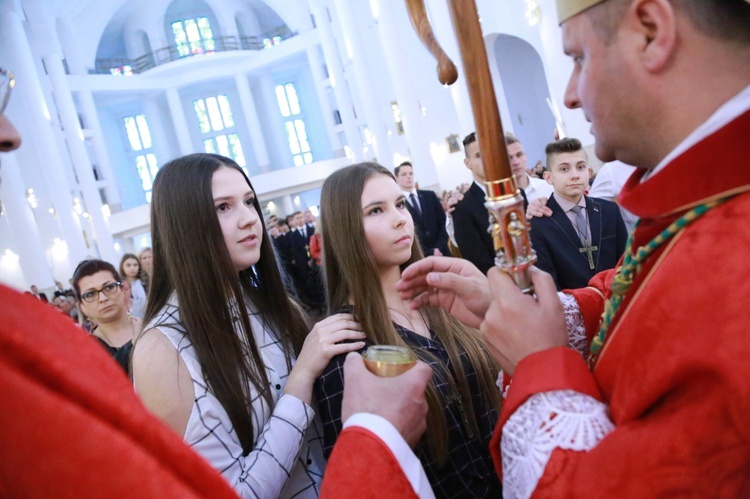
{"x":508,"y":225}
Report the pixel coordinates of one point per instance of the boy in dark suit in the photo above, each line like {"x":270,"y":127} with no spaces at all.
{"x":470,"y":218}
{"x":584,"y":235}
{"x":426,"y":211}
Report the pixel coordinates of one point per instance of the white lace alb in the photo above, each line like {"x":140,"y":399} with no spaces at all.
{"x":547,"y":421}
{"x":574,"y":323}
{"x":576,"y":335}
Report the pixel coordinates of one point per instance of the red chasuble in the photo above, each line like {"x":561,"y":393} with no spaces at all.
{"x":362,"y":466}
{"x":71,"y":424}
{"x":675,"y":366}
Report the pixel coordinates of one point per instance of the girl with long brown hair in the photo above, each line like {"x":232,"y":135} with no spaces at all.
{"x":130,"y":270}
{"x":368,"y":239}
{"x":225,"y":358}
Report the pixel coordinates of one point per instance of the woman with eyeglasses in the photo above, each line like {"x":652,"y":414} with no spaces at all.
{"x":102,"y":304}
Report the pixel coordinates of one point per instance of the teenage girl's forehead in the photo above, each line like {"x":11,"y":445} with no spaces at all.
{"x":380,"y":188}
{"x":228,"y":181}
{"x":381,"y":180}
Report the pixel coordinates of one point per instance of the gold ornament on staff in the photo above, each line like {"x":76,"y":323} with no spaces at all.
{"x":508,"y":224}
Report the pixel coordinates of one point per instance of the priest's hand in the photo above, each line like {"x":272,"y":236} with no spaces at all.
{"x":538,"y":208}
{"x":453,"y":284}
{"x":399,"y":399}
{"x":517,"y":325}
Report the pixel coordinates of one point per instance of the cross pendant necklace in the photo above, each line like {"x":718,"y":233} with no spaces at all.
{"x":589,"y":250}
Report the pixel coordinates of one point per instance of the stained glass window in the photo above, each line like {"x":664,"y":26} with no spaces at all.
{"x":193,"y":36}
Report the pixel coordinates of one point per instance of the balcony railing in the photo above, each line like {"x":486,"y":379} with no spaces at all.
{"x":127,"y":67}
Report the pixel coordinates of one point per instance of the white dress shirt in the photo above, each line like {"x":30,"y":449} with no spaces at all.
{"x":411,"y":200}
{"x":608,"y":184}
{"x":537,"y":188}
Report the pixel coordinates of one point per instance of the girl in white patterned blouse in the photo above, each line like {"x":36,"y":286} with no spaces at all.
{"x":225,"y":358}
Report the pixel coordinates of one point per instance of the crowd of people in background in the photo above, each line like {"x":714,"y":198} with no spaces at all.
{"x":121,"y":290}
{"x":133,"y":277}
{"x":146,"y":307}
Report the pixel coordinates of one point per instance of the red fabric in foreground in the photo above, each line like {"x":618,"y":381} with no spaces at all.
{"x":362,"y":466}
{"x":71,"y":424}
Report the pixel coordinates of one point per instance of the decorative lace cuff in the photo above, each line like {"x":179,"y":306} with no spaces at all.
{"x":574,"y":323}
{"x":547,"y":421}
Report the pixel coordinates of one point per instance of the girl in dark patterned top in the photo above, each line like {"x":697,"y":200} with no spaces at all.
{"x":368,"y":239}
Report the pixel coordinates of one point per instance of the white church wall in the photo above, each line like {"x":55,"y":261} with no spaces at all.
{"x":561,"y":67}
{"x":294,"y":13}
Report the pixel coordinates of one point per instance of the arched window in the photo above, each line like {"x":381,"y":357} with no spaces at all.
{"x":193,"y":36}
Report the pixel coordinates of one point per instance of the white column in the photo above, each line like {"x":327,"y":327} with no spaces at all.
{"x":338,"y":80}
{"x":79,"y":156}
{"x":316,"y":69}
{"x":258,"y":141}
{"x":42,"y":26}
{"x":179,"y":122}
{"x":360,"y":65}
{"x":159,"y":140}
{"x":69,"y":45}
{"x":408,"y":101}
{"x":28,"y":111}
{"x":94,"y":127}
{"x":23,"y":229}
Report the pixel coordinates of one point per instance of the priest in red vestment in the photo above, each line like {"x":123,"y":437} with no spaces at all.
{"x":655,"y":401}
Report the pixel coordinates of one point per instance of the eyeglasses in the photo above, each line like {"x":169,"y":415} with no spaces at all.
{"x":7,"y":82}
{"x":92,"y":295}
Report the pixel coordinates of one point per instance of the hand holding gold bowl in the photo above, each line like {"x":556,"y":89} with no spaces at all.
{"x":388,"y":361}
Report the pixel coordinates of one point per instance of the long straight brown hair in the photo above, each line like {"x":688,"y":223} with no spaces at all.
{"x":351,"y":272}
{"x":191,"y":259}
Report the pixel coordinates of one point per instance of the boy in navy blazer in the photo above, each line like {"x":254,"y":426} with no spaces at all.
{"x":584,"y":235}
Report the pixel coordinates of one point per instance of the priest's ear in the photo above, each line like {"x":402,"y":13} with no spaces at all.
{"x":653,"y":25}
